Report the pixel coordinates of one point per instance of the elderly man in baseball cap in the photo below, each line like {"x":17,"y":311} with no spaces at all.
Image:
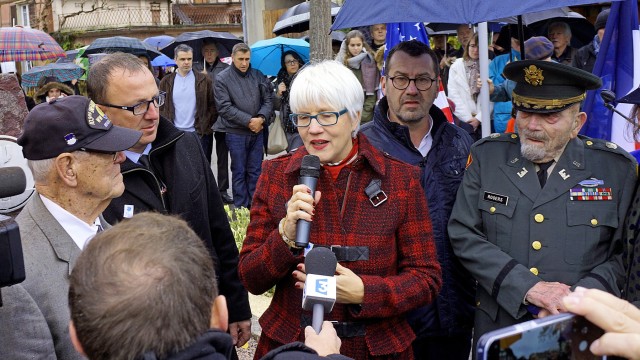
{"x":74,"y":153}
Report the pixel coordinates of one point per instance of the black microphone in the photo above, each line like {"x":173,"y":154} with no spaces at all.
{"x":609,"y":97}
{"x":12,"y":181}
{"x":319,"y":293}
{"x":309,"y":174}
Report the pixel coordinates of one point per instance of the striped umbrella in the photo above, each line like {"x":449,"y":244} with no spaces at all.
{"x":61,"y":71}
{"x":20,"y":44}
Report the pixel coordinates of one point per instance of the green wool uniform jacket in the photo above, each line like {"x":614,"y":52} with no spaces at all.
{"x":510,"y":234}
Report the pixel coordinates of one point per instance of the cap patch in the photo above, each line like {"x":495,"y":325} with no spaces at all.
{"x":96,"y":119}
{"x":70,"y":139}
{"x":533,"y":75}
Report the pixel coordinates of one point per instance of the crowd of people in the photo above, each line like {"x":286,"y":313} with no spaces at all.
{"x":439,"y":239}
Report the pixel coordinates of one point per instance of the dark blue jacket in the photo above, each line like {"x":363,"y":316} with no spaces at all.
{"x":442,"y":171}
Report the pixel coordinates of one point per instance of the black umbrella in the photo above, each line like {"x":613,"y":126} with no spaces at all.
{"x":296,"y":18}
{"x":582,"y":31}
{"x":121,"y":43}
{"x":196,"y":40}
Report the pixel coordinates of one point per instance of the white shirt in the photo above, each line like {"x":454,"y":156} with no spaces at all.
{"x":427,"y":140}
{"x":79,"y":231}
{"x":184,"y":101}
{"x":134,"y":156}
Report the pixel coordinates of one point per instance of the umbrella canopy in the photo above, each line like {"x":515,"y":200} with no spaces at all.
{"x":121,"y":43}
{"x":163,"y":60}
{"x":61,"y":71}
{"x":158,"y":42}
{"x":335,"y":36}
{"x":296,"y":18}
{"x":582,"y":31}
{"x":266,"y":54}
{"x":21,"y":44}
{"x":196,"y":40}
{"x":364,"y":12}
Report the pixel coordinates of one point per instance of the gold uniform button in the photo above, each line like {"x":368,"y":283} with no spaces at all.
{"x":492,"y":209}
{"x":539,"y":218}
{"x":536,"y":245}
{"x":513,"y":136}
{"x":478,"y":303}
{"x":589,"y":142}
{"x":534,"y":271}
{"x":594,"y":222}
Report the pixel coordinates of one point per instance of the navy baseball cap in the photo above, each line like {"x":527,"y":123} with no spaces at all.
{"x":69,"y":124}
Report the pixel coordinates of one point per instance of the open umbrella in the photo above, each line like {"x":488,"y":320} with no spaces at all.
{"x":61,"y":71}
{"x":296,"y":18}
{"x":266,"y":54}
{"x":163,"y":60}
{"x":158,"y":42}
{"x":121,"y":43}
{"x":196,"y":40}
{"x":582,"y":31}
{"x":21,"y":44}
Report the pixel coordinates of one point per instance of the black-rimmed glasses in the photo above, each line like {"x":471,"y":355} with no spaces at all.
{"x":325,"y":118}
{"x":141,"y":108}
{"x":292,"y":62}
{"x":114,"y":154}
{"x":401,"y":82}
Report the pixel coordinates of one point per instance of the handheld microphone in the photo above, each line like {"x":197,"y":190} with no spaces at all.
{"x":309,"y":174}
{"x":319,"y":293}
{"x":609,"y":97}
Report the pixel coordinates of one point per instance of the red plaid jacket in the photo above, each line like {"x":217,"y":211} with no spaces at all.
{"x":402,"y":272}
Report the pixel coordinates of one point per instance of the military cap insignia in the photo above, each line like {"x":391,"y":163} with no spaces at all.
{"x":533,"y":75}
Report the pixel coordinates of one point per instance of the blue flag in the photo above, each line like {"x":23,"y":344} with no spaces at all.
{"x":397,"y":32}
{"x":615,"y":66}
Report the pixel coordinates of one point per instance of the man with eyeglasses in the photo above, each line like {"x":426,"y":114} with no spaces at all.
{"x":74,"y":153}
{"x":167,"y":172}
{"x":541,"y":212}
{"x":407,"y":126}
{"x":244,"y":101}
{"x":189,"y":101}
{"x":212,"y":66}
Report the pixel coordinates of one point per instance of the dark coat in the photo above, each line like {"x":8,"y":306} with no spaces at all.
{"x":189,"y":191}
{"x":205,"y":105}
{"x":240,"y":97}
{"x":400,"y":274}
{"x":585,"y":58}
{"x":441,"y":172}
{"x":510,"y":234}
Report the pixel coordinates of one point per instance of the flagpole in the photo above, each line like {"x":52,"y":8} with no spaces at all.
{"x":485,"y":105}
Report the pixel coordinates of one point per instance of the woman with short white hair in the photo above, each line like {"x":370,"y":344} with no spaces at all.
{"x":369,"y":209}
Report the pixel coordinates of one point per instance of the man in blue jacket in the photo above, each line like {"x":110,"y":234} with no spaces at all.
{"x":407,"y":126}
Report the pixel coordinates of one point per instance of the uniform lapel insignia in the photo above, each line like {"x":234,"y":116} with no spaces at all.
{"x":563,"y":174}
{"x":523,"y":172}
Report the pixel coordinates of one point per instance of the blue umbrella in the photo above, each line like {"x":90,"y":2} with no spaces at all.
{"x":365,"y":12}
{"x":266,"y":54}
{"x":158,"y":42}
{"x":61,"y":71}
{"x":163,"y":60}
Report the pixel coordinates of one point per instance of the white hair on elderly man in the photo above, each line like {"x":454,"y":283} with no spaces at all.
{"x":327,"y":83}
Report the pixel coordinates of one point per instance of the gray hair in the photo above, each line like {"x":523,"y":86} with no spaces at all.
{"x":40,"y":169}
{"x":182,"y":48}
{"x":562,"y":25}
{"x":242,"y":47}
{"x":328,"y":82}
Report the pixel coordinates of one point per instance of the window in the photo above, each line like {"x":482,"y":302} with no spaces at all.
{"x":24,"y":15}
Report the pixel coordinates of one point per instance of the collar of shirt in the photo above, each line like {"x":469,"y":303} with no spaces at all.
{"x":427,"y":140}
{"x":188,"y":75}
{"x":79,"y":231}
{"x":134,"y":156}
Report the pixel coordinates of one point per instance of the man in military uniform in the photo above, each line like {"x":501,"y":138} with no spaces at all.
{"x":541,"y":212}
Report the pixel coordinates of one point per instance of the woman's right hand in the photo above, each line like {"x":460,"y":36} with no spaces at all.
{"x":281,"y":88}
{"x":300,"y":206}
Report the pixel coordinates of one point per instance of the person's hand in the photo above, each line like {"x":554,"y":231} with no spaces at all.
{"x":349,"y":286}
{"x":255,"y":124}
{"x":492,"y":87}
{"x":474,"y":122}
{"x":618,"y":318}
{"x":548,"y":297}
{"x":281,"y":88}
{"x":240,"y":332}
{"x":300,"y":206}
{"x":325,"y":343}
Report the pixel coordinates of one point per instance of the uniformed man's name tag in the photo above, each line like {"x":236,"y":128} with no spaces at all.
{"x":496,"y":198}
{"x":591,"y":194}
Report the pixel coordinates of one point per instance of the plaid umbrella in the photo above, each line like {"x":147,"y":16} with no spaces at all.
{"x":121,"y":43}
{"x":21,"y":44}
{"x":61,"y":71}
{"x":196,"y":40}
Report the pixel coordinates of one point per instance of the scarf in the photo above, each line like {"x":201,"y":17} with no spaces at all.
{"x":473,"y":73}
{"x":355,"y":61}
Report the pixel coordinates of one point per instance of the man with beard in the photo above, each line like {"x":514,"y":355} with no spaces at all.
{"x":541,"y":212}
